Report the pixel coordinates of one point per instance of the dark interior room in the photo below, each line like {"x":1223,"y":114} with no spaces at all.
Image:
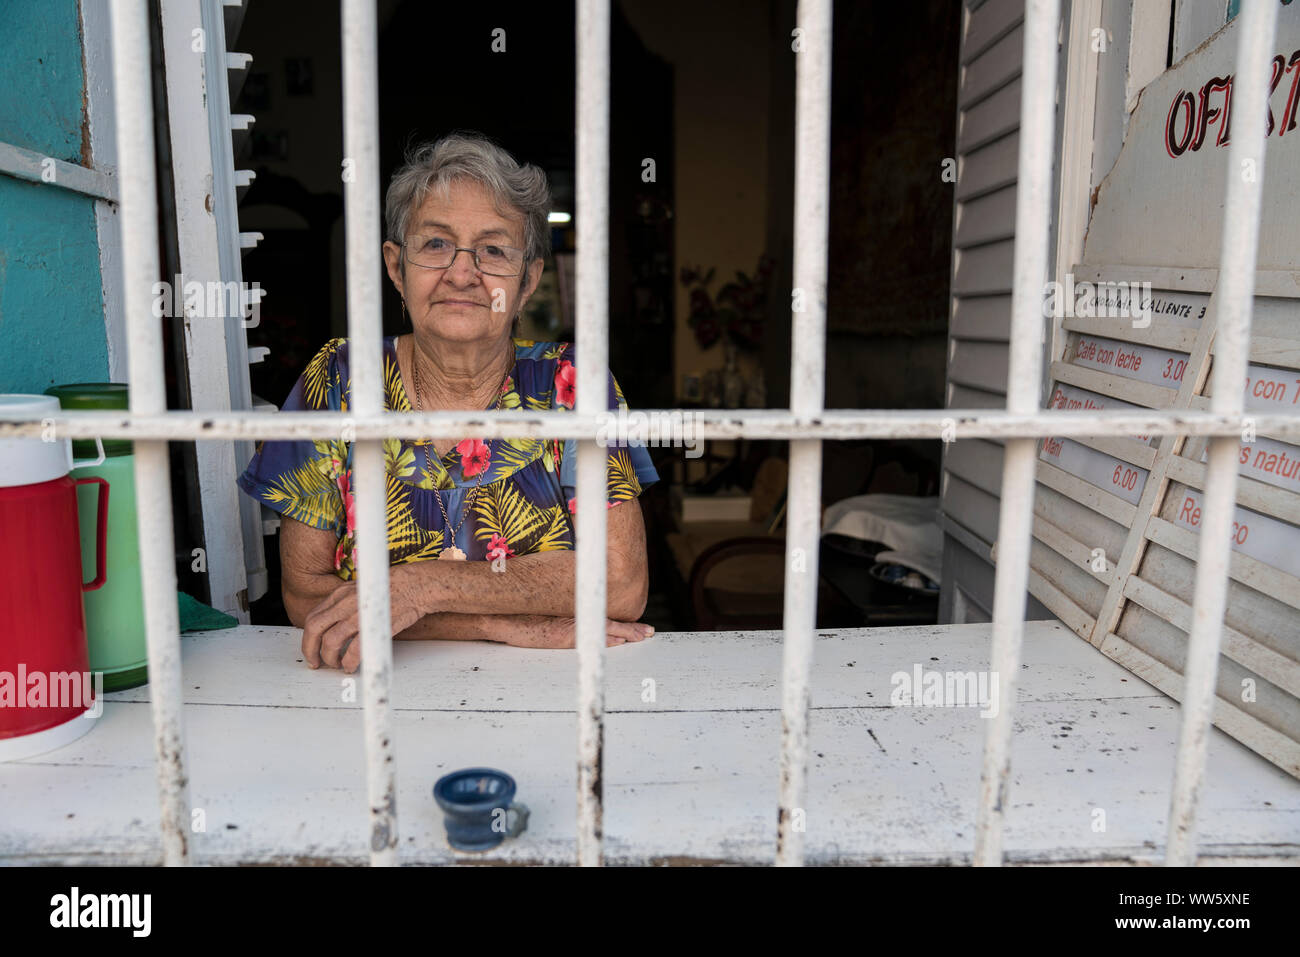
{"x":702,"y":155}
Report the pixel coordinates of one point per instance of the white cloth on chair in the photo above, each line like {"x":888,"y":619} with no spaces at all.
{"x":907,"y":524}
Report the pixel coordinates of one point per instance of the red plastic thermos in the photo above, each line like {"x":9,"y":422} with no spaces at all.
{"x":47,"y":694}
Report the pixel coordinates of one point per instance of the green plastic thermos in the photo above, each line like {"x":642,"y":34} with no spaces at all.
{"x":115,"y":625}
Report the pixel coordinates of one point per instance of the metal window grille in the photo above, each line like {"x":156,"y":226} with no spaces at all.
{"x":806,"y":424}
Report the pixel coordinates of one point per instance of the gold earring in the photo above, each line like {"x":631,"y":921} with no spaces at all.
{"x":403,"y":310}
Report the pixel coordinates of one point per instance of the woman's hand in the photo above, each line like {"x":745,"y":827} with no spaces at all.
{"x":332,"y":632}
{"x":544,"y":631}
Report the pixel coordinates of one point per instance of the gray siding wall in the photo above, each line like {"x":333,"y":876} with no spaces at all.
{"x":988,"y":121}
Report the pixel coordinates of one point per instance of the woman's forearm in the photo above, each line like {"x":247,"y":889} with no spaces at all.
{"x":301,"y":593}
{"x":538,"y":583}
{"x":542,"y":583}
{"x":457,"y":626}
{"x":525,"y":631}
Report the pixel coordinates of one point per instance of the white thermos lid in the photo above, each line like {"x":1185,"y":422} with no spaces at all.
{"x":29,"y":461}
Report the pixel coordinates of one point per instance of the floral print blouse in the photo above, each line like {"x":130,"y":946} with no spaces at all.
{"x":526,"y":498}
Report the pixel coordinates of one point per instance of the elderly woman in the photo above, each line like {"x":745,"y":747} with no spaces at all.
{"x":480,"y":533}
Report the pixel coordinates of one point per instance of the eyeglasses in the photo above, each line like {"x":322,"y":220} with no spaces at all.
{"x":434,"y":252}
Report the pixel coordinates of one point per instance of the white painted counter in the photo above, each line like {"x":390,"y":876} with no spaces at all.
{"x":276,"y":761}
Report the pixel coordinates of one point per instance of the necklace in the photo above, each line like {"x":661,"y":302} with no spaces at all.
{"x":451,"y":552}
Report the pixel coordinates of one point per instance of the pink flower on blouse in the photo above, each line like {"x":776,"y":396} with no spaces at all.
{"x":573,"y":505}
{"x":474,"y":456}
{"x":350,"y":510}
{"x":498,"y":547}
{"x":566,"y":383}
{"x":349,"y":502}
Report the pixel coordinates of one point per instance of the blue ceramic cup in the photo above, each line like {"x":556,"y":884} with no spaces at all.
{"x":478,"y":804}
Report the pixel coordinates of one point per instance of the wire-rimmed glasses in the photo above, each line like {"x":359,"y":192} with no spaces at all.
{"x":491,"y":259}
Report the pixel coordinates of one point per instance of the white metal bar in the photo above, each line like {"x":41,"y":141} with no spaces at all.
{"x":807,"y":397}
{"x":139,"y":215}
{"x":363,"y":237}
{"x":36,"y":167}
{"x":692,"y":424}
{"x":1015,"y":521}
{"x":1240,"y":245}
{"x":592,"y":212}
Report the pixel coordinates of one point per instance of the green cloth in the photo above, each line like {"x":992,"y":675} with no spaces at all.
{"x":196,"y":616}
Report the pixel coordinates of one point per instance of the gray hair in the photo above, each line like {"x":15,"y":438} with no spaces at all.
{"x":469,"y":156}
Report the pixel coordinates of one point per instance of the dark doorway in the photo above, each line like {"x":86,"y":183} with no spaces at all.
{"x":506,"y":70}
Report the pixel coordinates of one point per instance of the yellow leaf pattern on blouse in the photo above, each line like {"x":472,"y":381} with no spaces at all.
{"x":521,"y":507}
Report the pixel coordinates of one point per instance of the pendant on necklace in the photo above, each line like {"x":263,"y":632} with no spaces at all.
{"x":451,"y":553}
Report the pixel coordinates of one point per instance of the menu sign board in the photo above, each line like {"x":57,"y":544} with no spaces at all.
{"x":1266,"y":460}
{"x":1259,"y":536}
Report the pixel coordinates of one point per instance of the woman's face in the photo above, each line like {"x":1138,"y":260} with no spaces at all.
{"x":459,"y":303}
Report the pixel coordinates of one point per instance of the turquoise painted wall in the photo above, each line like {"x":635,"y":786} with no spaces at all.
{"x":51,"y":306}
{"x":51,"y":301}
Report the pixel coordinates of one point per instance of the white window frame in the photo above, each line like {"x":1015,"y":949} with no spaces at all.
{"x":806,"y":424}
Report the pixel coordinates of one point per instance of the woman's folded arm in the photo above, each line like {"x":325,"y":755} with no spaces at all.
{"x":306,"y":567}
{"x":541,"y":583}
{"x":525,"y":631}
